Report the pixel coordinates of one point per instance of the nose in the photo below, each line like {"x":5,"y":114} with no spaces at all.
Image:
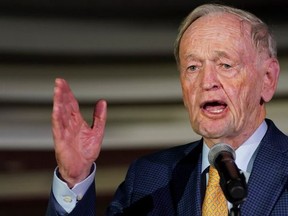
{"x":209,"y":77}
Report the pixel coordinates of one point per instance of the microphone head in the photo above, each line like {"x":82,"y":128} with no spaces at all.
{"x":217,"y":149}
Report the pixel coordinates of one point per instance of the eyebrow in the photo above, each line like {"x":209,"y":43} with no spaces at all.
{"x":218,"y":54}
{"x":193,"y":56}
{"x":222,"y":54}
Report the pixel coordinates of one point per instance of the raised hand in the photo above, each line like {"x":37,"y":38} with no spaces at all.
{"x":77,"y":145}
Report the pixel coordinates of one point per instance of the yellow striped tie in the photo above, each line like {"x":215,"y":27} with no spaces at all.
{"x":215,"y":203}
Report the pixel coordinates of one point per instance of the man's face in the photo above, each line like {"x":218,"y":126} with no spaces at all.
{"x":222,"y":79}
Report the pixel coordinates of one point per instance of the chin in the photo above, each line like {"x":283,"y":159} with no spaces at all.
{"x":214,"y":132}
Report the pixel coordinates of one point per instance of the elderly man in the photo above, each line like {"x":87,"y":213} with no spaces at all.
{"x":229,"y":70}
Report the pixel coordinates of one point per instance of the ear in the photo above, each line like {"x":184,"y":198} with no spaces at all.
{"x":270,"y":80}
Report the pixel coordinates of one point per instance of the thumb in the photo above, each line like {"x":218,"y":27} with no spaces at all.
{"x":99,"y":117}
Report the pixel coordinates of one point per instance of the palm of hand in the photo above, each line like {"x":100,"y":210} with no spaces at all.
{"x":77,"y":145}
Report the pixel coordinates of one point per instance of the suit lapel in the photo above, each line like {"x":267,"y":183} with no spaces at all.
{"x":185,"y":184}
{"x":269,"y":173}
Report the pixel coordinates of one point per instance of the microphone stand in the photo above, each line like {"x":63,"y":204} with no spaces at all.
{"x":232,"y":181}
{"x":235,"y":210}
{"x":235,"y":190}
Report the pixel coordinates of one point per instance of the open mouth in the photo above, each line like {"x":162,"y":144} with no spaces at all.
{"x":214,"y":107}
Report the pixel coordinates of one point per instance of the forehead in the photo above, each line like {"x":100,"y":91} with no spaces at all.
{"x":218,"y":29}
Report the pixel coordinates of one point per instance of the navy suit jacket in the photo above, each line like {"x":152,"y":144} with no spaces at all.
{"x":169,"y":183}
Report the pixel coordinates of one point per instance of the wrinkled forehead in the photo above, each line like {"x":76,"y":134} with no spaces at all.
{"x":221,"y":22}
{"x":220,"y":26}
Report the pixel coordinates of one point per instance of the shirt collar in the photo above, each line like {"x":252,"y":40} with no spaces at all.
{"x":244,"y":152}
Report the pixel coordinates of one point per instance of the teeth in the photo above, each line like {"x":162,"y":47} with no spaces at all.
{"x":216,"y":111}
{"x":213,"y":108}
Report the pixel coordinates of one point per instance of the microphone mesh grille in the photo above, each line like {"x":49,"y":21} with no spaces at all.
{"x":217,"y":149}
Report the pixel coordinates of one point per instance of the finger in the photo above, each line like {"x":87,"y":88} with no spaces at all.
{"x":57,"y":120}
{"x":63,"y":112}
{"x":70,"y":112}
{"x":61,"y":104}
{"x":99,"y":119}
{"x":69,"y":97}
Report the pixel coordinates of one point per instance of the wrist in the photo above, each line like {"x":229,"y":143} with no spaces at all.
{"x":72,"y":181}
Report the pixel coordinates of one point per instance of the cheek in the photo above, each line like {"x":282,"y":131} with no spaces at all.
{"x":188,"y":91}
{"x":242,"y":97}
{"x":251,"y":89}
{"x":236,"y":91}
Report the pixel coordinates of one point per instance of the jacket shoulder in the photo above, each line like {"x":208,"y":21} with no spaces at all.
{"x":172,"y":154}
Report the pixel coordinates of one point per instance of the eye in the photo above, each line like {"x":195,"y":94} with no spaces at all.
{"x":192,"y":68}
{"x":228,"y":70}
{"x":226,"y":66}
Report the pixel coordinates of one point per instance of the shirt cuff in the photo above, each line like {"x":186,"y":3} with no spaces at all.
{"x":66,"y":197}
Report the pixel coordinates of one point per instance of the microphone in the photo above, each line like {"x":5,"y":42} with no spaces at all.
{"x":233,"y":183}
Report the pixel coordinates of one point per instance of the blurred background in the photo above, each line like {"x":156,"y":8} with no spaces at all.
{"x":118,"y":50}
